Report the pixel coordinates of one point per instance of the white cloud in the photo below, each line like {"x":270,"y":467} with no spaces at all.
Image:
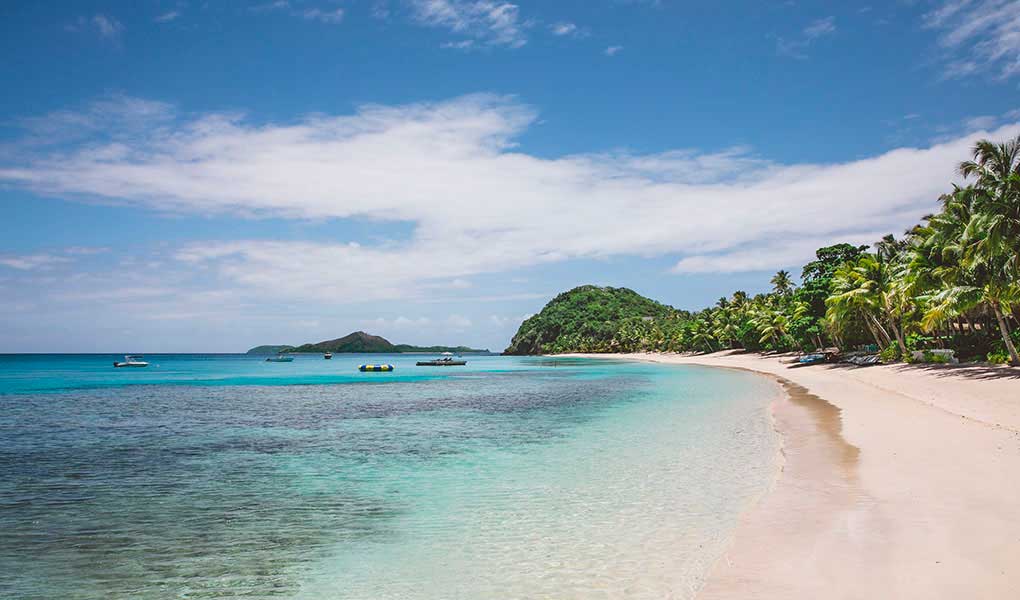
{"x":31,"y":262}
{"x":566,"y":29}
{"x":981,"y":123}
{"x":103,"y":25}
{"x":612,"y":50}
{"x":85,"y":250}
{"x":107,"y":26}
{"x":487,"y":21}
{"x":797,"y":48}
{"x":508,"y":322}
{"x":768,"y":254}
{"x":979,"y":35}
{"x":475,"y":201}
{"x":819,"y":28}
{"x":458,"y":322}
{"x":167,"y":16}
{"x":327,"y":16}
{"x":459,"y":45}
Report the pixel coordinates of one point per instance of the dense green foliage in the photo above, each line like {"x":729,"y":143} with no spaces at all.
{"x":360,"y":342}
{"x":590,"y":319}
{"x":950,"y":282}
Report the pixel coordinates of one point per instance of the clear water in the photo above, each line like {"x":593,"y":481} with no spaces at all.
{"x":227,"y":477}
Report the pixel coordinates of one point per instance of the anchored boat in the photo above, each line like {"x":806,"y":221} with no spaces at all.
{"x":280,"y":358}
{"x":327,"y":355}
{"x":132,"y":360}
{"x":446,"y":361}
{"x":375,"y":368}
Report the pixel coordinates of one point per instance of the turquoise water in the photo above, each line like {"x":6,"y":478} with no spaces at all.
{"x":223,"y":476}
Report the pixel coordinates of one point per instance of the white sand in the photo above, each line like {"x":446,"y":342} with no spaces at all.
{"x":897,"y":482}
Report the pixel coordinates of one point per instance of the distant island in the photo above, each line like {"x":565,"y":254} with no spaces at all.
{"x":359,"y":342}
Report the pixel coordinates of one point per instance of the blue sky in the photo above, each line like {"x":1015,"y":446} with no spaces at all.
{"x":192,"y":176}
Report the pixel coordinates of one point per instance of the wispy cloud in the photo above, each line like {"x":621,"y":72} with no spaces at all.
{"x":797,"y":48}
{"x":820,"y":28}
{"x":449,"y":155}
{"x":979,"y":36}
{"x":486,"y":21}
{"x":612,"y":50}
{"x":563,"y":28}
{"x":167,"y":16}
{"x":31,"y":262}
{"x":459,"y":45}
{"x":568,"y":30}
{"x":333,"y":16}
{"x":103,"y":25}
{"x":329,"y":16}
{"x":107,"y":26}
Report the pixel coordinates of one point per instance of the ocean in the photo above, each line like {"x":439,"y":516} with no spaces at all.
{"x":225,"y":476}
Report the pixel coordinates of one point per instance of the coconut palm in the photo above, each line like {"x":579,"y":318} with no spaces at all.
{"x":781,"y":283}
{"x":864,"y":288}
{"x":701,"y":335}
{"x":992,"y":238}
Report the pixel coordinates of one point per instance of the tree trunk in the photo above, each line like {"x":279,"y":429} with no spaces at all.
{"x":970,"y":324}
{"x":874,"y":332}
{"x":882,"y":330}
{"x":899,"y":336}
{"x":1013,"y":357}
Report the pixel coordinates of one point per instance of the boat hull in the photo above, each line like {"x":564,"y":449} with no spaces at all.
{"x":136,"y":365}
{"x":441,"y":363}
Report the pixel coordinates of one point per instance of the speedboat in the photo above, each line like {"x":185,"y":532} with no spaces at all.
{"x":132,"y":360}
{"x":280,"y":358}
{"x":327,"y":355}
{"x":446,"y":361}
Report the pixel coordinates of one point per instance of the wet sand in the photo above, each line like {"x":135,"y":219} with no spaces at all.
{"x":895,"y":482}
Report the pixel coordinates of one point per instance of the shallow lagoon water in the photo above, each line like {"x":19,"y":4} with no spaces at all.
{"x":225,"y":476}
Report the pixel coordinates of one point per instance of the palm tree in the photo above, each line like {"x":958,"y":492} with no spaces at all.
{"x":864,"y":288}
{"x":781,"y":283}
{"x":701,"y":335}
{"x":992,"y":238}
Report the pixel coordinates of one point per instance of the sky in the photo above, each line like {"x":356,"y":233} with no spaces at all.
{"x":210,"y":176}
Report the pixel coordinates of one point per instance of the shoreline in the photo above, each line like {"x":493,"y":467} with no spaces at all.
{"x":895,"y":481}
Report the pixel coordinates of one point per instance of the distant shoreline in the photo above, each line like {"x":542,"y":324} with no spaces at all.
{"x":895,"y":481}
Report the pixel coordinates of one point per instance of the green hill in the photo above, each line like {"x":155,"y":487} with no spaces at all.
{"x":270,"y":349}
{"x":360,"y":342}
{"x":588,"y":319}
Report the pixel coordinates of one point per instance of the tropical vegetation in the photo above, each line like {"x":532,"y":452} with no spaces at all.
{"x":952,"y":281}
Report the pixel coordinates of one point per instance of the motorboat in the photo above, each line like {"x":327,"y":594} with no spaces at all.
{"x":446,"y":361}
{"x":375,"y":367}
{"x":328,"y":355}
{"x":280,"y":358}
{"x":132,"y":360}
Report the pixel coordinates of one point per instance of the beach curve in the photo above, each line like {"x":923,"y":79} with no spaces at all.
{"x":895,"y":482}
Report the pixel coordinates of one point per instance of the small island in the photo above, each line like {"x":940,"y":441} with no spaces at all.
{"x":360,"y":342}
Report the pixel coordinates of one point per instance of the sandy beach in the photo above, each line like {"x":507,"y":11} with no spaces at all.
{"x":896,"y":481}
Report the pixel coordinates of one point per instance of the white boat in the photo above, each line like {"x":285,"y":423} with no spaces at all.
{"x":132,"y":360}
{"x":327,"y":355}
{"x":280,"y":358}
